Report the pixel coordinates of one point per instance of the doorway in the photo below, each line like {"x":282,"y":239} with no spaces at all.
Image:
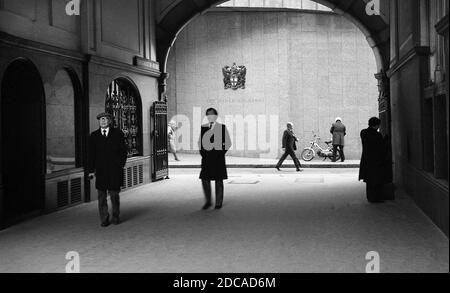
{"x":22,"y":140}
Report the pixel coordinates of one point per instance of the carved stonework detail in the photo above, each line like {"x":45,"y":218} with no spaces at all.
{"x":163,"y":87}
{"x":234,"y":77}
{"x":384,"y":91}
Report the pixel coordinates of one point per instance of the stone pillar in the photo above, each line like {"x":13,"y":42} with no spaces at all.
{"x":384,"y":103}
{"x":384,"y":109}
{"x":442,"y":27}
{"x":163,"y":86}
{"x":1,"y":201}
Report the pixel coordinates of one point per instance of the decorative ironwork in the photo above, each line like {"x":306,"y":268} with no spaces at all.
{"x":122,"y":102}
{"x":160,"y":151}
{"x":234,"y":77}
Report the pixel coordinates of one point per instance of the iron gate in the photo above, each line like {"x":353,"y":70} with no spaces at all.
{"x":160,"y":151}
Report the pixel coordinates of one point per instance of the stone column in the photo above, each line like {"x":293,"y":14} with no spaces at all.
{"x":384,"y":102}
{"x":442,"y":27}
{"x":1,"y":201}
{"x":384,"y":109}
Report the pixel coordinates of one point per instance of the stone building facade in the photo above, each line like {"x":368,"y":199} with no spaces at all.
{"x":420,"y":107}
{"x":42,"y":49}
{"x":55,"y":72}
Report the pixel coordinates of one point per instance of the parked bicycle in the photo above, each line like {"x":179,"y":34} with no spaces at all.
{"x":314,"y":150}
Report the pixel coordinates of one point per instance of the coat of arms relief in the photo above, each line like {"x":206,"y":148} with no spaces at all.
{"x":234,"y":77}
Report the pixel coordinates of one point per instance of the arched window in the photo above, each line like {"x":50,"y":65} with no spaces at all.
{"x":123,"y":102}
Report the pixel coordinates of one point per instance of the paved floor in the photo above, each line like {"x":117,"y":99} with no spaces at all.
{"x":194,"y":161}
{"x":316,"y":221}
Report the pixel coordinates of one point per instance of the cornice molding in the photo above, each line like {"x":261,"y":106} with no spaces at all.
{"x":10,"y":40}
{"x":140,"y":65}
{"x":139,"y":69}
{"x":414,"y":52}
{"x":442,"y":26}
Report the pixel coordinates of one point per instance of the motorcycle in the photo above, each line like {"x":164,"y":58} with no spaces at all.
{"x":309,"y":153}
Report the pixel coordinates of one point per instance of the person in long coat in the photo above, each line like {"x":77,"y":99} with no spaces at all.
{"x":214,"y":143}
{"x":289,"y":145}
{"x":107,"y":159}
{"x":339,"y":131}
{"x":374,"y":161}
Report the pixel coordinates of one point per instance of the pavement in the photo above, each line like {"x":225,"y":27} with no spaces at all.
{"x":194,"y":161}
{"x":272,"y":222}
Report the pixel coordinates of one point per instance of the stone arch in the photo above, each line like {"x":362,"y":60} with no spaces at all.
{"x":65,"y":100}
{"x":180,"y":13}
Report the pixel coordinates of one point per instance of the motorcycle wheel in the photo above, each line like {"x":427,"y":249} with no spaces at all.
{"x":308,"y":155}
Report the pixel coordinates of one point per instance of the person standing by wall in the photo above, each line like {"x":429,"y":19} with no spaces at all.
{"x":289,"y":147}
{"x":214,"y":143}
{"x":374,"y":161}
{"x":107,"y":158}
{"x":171,"y":136}
{"x":339,"y":131}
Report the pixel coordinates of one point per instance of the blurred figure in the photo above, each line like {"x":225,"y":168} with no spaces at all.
{"x":214,"y":144}
{"x":339,"y":131}
{"x":171,"y":136}
{"x":289,"y":147}
{"x":373,"y":161}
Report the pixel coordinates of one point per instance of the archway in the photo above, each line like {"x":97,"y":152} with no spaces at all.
{"x":22,"y":140}
{"x":302,"y":75}
{"x":64,"y":141}
{"x":179,"y":13}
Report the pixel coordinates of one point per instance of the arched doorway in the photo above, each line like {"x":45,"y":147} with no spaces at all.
{"x":180,"y":13}
{"x":22,"y":140}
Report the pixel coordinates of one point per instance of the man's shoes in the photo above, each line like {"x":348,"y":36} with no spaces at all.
{"x":116,"y":221}
{"x":278,"y":168}
{"x":377,"y":201}
{"x":218,"y":207}
{"x":299,"y":170}
{"x":106,"y":224}
{"x":207,"y":206}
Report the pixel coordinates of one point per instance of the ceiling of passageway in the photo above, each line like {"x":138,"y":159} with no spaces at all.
{"x":173,"y":15}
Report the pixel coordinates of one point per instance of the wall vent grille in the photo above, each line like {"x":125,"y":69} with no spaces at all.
{"x":133,"y":176}
{"x":62,"y":194}
{"x":129,"y":178}
{"x":141,"y":174}
{"x":75,"y":191}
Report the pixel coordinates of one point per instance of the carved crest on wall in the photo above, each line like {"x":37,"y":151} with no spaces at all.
{"x":234,"y":77}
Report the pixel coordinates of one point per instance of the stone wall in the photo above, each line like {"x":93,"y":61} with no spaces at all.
{"x":308,"y":68}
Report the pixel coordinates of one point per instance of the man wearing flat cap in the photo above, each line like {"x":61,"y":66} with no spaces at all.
{"x":107,"y":158}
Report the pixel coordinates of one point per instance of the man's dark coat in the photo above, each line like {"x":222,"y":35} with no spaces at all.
{"x":213,"y":159}
{"x":107,"y":158}
{"x":289,"y":141}
{"x":374,"y":168}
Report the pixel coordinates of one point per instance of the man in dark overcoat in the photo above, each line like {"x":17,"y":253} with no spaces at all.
{"x":374,"y":161}
{"x":214,"y":143}
{"x":107,"y":159}
{"x":289,"y":146}
{"x":339,"y":131}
